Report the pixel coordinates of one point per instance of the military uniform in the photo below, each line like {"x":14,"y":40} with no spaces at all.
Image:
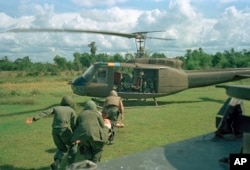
{"x":91,"y":132}
{"x":112,"y":107}
{"x":62,"y":129}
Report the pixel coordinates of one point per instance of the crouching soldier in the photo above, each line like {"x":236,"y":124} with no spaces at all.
{"x":91,"y":133}
{"x":62,"y":129}
{"x":112,"y":108}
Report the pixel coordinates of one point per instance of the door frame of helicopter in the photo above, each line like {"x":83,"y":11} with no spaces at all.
{"x":109,"y":76}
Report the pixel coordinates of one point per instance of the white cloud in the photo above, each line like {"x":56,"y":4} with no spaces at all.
{"x":233,"y":27}
{"x":8,"y":21}
{"x":182,"y":6}
{"x":181,"y":20}
{"x":113,"y":19}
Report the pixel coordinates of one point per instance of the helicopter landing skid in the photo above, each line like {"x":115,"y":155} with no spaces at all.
{"x":156,"y":104}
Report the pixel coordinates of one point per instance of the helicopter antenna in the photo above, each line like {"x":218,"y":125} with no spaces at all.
{"x":140,"y":37}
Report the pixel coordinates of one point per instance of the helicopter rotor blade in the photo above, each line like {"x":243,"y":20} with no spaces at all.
{"x":137,"y":35}
{"x":72,"y":31}
{"x":160,"y":38}
{"x":145,"y":32}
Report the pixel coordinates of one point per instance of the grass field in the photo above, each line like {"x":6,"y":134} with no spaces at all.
{"x":178,"y":117}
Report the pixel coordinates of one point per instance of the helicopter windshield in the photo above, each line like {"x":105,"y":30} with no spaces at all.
{"x":96,"y":74}
{"x":88,"y":74}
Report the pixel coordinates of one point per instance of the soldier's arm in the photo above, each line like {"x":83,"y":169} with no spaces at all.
{"x":39,"y":116}
{"x":122,"y":109}
{"x":45,"y":113}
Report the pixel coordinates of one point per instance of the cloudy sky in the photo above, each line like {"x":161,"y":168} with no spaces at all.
{"x":214,"y":25}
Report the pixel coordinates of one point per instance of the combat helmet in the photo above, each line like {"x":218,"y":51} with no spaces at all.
{"x":67,"y":101}
{"x":113,"y":93}
{"x":90,"y":105}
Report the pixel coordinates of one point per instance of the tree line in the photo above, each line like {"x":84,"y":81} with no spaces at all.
{"x":193,"y":60}
{"x":198,"y":59}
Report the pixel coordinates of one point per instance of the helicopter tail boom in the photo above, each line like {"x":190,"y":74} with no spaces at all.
{"x":206,"y":78}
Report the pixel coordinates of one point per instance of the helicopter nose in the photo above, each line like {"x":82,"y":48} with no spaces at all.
{"x":78,"y":85}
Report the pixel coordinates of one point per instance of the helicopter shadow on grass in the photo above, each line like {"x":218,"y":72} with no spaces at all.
{"x":150,"y":103}
{"x":11,"y":167}
{"x":127,"y":103}
{"x":207,"y":99}
{"x":26,"y":112}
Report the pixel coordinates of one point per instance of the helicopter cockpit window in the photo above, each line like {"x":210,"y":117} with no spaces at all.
{"x":95,"y":74}
{"x":88,"y":74}
{"x":100,"y":75}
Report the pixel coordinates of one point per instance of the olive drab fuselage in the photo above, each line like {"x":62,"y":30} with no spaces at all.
{"x":148,"y":78}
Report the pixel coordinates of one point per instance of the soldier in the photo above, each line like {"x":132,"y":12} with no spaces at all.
{"x":91,"y":133}
{"x":62,"y":129}
{"x":126,"y":82}
{"x":112,"y":108}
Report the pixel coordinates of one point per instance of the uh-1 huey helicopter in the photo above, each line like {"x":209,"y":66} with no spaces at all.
{"x":141,"y":78}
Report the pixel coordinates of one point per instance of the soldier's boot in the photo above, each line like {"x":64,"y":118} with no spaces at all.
{"x":111,"y":138}
{"x":72,"y":154}
{"x":55,"y":165}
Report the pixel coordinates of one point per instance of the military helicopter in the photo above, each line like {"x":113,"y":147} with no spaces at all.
{"x":141,"y":78}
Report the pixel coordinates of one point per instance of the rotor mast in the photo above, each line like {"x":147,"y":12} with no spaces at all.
{"x":140,"y":46}
{"x":140,"y":41}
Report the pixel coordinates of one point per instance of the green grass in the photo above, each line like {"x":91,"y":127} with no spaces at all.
{"x":178,"y":117}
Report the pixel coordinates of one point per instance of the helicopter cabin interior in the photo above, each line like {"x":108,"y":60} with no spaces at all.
{"x":136,"y":80}
{"x":127,"y":79}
